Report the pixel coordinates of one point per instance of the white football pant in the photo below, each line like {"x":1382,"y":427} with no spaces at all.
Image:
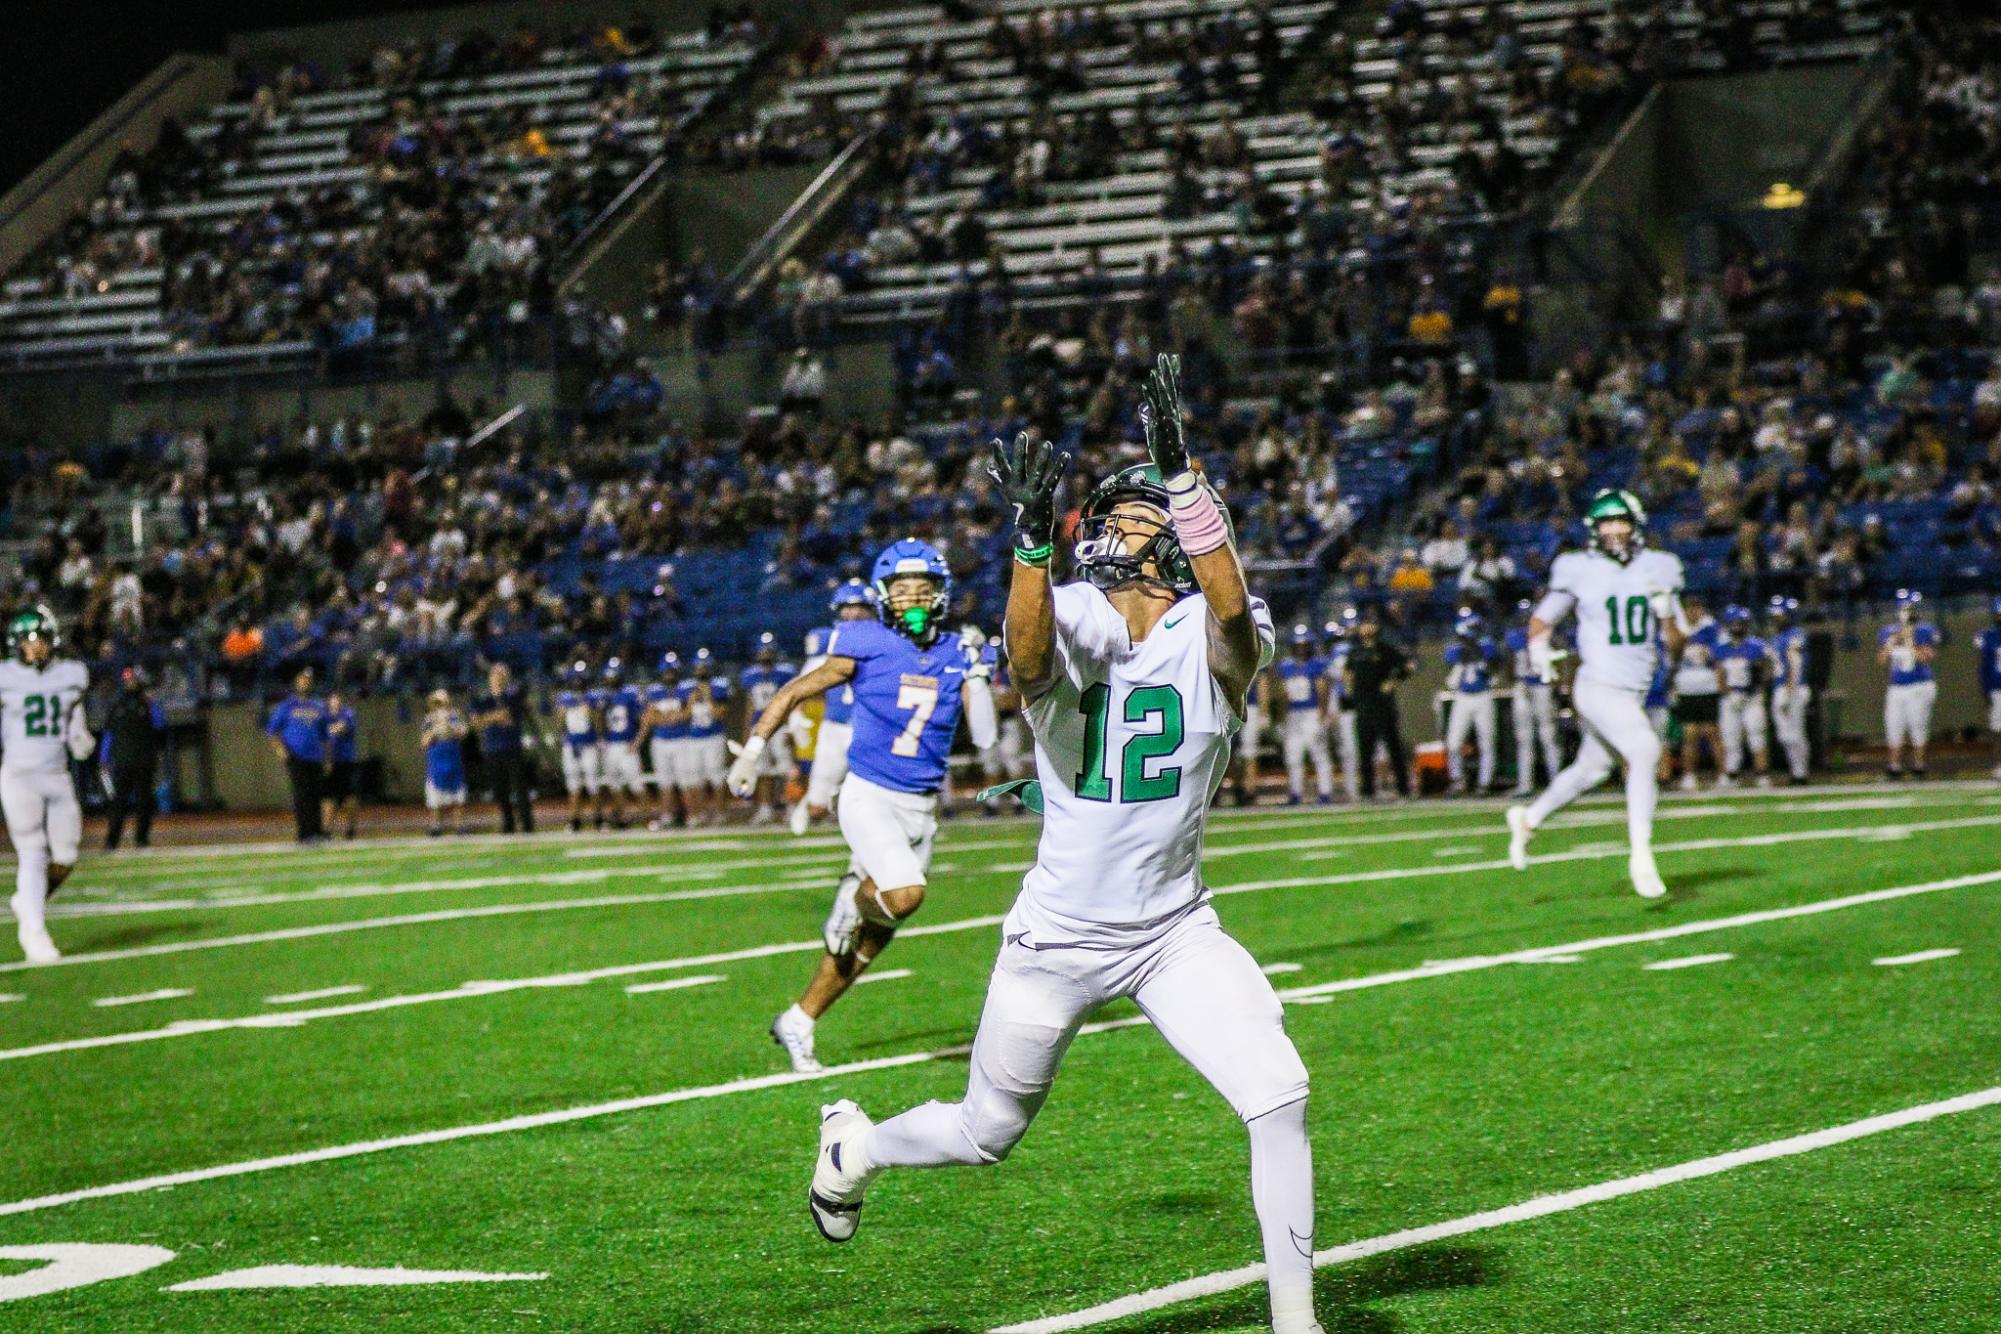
{"x":1789,"y":723}
{"x":1535,"y":723}
{"x":1471,"y":712}
{"x":830,"y":764}
{"x":1742,"y":715}
{"x":1306,"y":734}
{"x":1907,"y":713}
{"x":46,"y":824}
{"x":1615,"y":724}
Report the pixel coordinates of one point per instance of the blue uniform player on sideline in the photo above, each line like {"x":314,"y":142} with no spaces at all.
{"x":298,"y":732}
{"x":344,"y":764}
{"x":760,"y":683}
{"x":445,"y":763}
{"x":1470,"y":660}
{"x":1301,"y":679}
{"x":851,"y":602}
{"x":666,"y":726}
{"x":622,"y":710}
{"x":911,"y":682}
{"x":1790,"y":691}
{"x":1907,"y":646}
{"x":583,"y":754}
{"x":701,"y":781}
{"x":1743,"y":661}
{"x":1988,"y":644}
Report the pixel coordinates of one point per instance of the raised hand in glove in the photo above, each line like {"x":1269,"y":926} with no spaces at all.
{"x":1160,"y":417}
{"x":1027,"y":474}
{"x":742,"y":779}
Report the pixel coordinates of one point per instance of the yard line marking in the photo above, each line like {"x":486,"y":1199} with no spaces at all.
{"x":1311,"y":995}
{"x":1922,"y":956}
{"x":1557,"y":958}
{"x":1456,"y":850}
{"x":890,"y":976}
{"x":723,"y":891}
{"x":340,"y":1276}
{"x":9,"y":997}
{"x":1686,"y":961}
{"x":164,"y":993}
{"x":1542,"y":1206}
{"x":1275,"y":969}
{"x":674,"y":983}
{"x":324,"y":993}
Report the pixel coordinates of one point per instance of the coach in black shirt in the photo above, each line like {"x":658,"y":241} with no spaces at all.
{"x":1376,"y":667}
{"x":500,"y":715}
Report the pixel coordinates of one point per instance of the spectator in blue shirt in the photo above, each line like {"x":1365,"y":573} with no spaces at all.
{"x":298,"y":732}
{"x":445,"y":763}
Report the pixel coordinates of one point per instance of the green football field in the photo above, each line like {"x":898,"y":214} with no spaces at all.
{"x":1771,"y":1102}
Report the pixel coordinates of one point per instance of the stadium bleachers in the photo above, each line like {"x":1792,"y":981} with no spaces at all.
{"x":277,"y":223}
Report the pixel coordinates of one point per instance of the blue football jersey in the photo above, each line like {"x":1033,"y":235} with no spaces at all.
{"x":621,"y":715}
{"x":705,"y":701}
{"x":1905,"y":669}
{"x":759,"y":683}
{"x":1659,"y":694}
{"x":907,"y":704}
{"x":1739,"y":659}
{"x":1788,"y":644}
{"x":1470,"y":665}
{"x":1295,"y":682}
{"x":1988,"y":642}
{"x":579,"y":718}
{"x":660,"y":694}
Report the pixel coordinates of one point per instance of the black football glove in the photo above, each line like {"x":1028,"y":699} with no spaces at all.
{"x":1160,"y":417}
{"x":1027,"y":473}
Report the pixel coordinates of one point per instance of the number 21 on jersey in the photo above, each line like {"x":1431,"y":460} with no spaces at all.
{"x":1155,"y":706}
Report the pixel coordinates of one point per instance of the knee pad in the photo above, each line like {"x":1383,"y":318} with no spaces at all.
{"x":993,"y":1122}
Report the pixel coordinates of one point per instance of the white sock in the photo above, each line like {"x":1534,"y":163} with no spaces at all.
{"x":926,"y":1136}
{"x":796,"y":1017}
{"x":31,"y":883}
{"x":1282,"y":1191}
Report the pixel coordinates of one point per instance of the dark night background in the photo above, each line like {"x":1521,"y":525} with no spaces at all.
{"x":67,"y":62}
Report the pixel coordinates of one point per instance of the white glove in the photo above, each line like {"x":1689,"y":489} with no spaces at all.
{"x":1661,"y":601}
{"x":81,"y":743}
{"x":1541,"y":661}
{"x":742,"y":780}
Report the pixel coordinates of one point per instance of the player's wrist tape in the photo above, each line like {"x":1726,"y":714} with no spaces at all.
{"x":753,"y":746}
{"x":1035,"y":556}
{"x":1198,"y":519}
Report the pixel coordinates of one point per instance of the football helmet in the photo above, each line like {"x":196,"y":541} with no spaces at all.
{"x":1611,"y":504}
{"x":1103,"y":555}
{"x":908,"y":557}
{"x":36,"y":623}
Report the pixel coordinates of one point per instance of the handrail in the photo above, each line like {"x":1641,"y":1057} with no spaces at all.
{"x":134,"y":104}
{"x":752,"y":270}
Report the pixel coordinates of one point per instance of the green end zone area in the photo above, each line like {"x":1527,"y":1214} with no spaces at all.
{"x":1447,"y":1082}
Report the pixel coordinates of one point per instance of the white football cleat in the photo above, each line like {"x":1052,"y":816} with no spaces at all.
{"x":1519,"y":835}
{"x":799,"y":819}
{"x":1764,"y":780}
{"x":1688,"y":782}
{"x":835,"y":1199}
{"x":844,"y":919}
{"x":794,"y":1032}
{"x":36,"y":946}
{"x":1647,"y":882}
{"x":1724,"y":782}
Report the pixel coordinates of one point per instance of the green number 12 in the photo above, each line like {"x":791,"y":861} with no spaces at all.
{"x":1094,"y":780}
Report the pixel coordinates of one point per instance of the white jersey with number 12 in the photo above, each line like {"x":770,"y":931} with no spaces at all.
{"x":1131,"y":743}
{"x":1616,"y":634}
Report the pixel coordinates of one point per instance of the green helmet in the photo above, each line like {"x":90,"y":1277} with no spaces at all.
{"x":34,"y":623}
{"x":1107,"y":563}
{"x":1616,"y":504}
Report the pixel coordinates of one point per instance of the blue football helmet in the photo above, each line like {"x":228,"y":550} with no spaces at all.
{"x":1467,"y":623}
{"x":907,"y":557}
{"x":705,"y":662}
{"x":1737,"y":616}
{"x":670,"y":663}
{"x":579,"y":672}
{"x":1302,"y":633}
{"x":853,"y":593}
{"x":1783,"y":608}
{"x":614,"y":672}
{"x":1908,"y":601}
{"x":1334,"y":630}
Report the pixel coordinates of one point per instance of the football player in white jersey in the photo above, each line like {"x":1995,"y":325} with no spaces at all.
{"x":1136,"y":680}
{"x":1627,"y":598}
{"x":41,"y":727}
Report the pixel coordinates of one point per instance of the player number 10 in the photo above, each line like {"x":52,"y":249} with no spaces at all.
{"x":1638,"y":620}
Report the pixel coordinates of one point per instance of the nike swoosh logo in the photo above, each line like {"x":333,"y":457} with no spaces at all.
{"x":1304,"y":1245}
{"x":1169,"y":625}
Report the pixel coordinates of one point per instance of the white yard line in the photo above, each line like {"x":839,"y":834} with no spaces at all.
{"x":1922,"y":956}
{"x":164,"y":993}
{"x":674,"y":984}
{"x":890,"y":976}
{"x":1278,"y":969}
{"x":1542,"y":1206}
{"x":324,"y":993}
{"x":1293,"y":995}
{"x":1686,"y":961}
{"x":725,"y":891}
